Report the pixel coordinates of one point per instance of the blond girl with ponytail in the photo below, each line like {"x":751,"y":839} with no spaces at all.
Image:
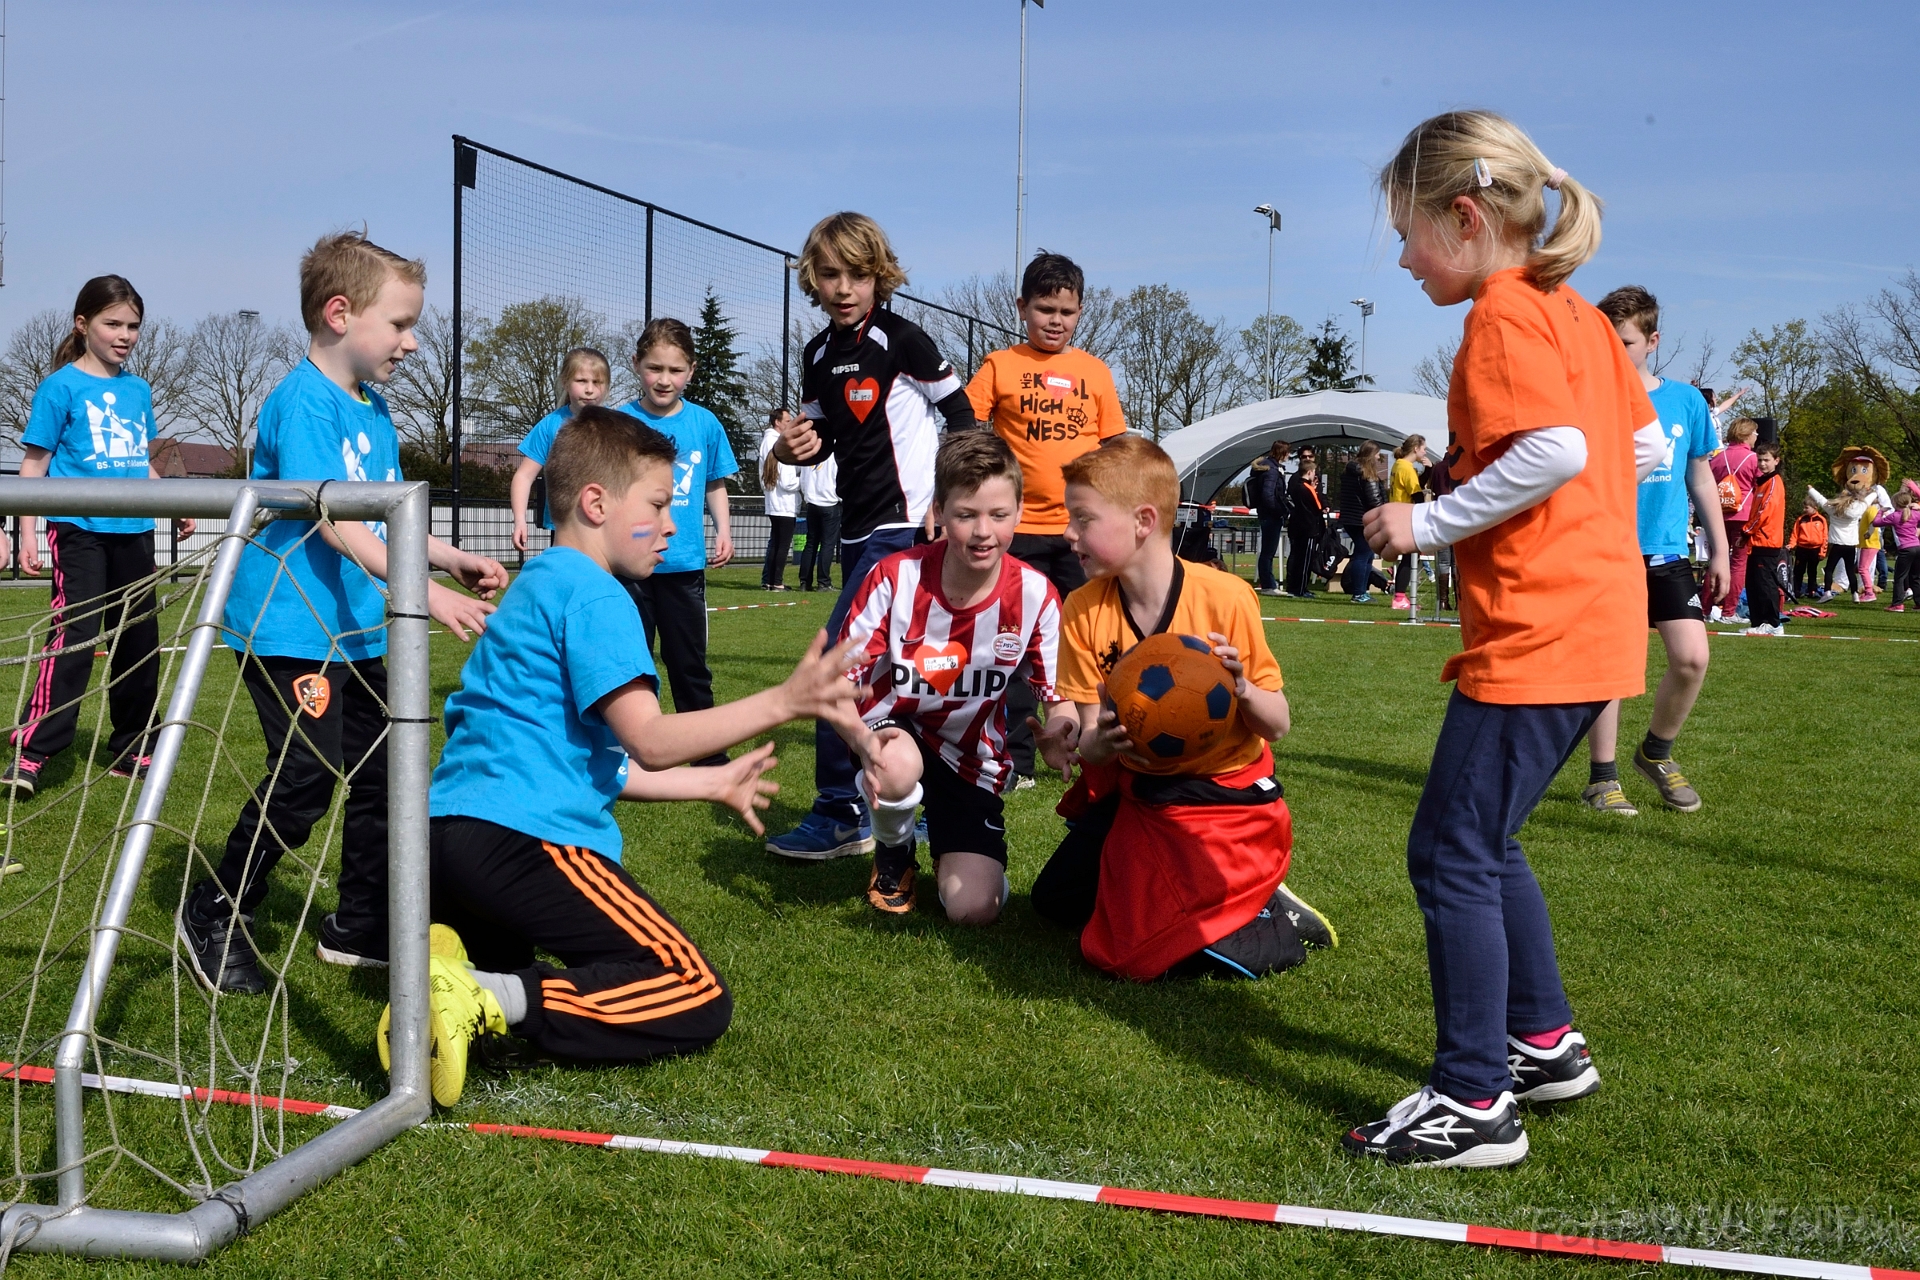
{"x":1550,"y":432}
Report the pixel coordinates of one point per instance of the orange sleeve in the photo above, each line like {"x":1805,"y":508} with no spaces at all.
{"x":1079,"y":677}
{"x":981,"y":391}
{"x":1514,"y":380}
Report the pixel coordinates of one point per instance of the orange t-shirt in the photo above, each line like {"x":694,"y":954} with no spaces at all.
{"x":1050,"y":409}
{"x":1553,"y":601}
{"x":1767,"y":521}
{"x":1095,"y":630}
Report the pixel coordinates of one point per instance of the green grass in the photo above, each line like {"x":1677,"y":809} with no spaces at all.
{"x":1745,"y":974}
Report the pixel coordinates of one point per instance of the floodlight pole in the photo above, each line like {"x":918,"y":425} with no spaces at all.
{"x":1366,"y":309}
{"x":1273,"y":225}
{"x":1020,"y":168}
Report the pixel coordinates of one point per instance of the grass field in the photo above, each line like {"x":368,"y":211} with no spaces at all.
{"x":1746,"y":975}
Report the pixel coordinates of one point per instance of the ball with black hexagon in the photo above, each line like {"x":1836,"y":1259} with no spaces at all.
{"x":1176,"y":701}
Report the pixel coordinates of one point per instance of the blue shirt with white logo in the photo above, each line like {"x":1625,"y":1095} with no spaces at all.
{"x":539,"y":443}
{"x":294,"y":595}
{"x":525,"y":748}
{"x":96,"y":429}
{"x":704,"y":456}
{"x":1663,"y":503}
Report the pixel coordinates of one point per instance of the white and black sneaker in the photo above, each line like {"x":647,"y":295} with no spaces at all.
{"x":1559,"y":1074}
{"x":1315,"y":929}
{"x":1431,"y":1131}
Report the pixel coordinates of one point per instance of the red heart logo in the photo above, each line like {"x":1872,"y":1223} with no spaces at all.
{"x":862,"y":396}
{"x":941,"y":666}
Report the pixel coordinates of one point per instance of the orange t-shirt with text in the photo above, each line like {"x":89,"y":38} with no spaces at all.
{"x":1049,"y":409}
{"x":1096,"y":629}
{"x":1553,"y":601}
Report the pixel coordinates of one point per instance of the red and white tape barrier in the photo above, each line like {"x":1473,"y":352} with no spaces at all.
{"x":772,"y":604}
{"x":1378,"y":1224}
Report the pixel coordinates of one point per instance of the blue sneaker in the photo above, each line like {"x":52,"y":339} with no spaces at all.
{"x":920,"y":829}
{"x":819,"y":838}
{"x":1363,"y":598}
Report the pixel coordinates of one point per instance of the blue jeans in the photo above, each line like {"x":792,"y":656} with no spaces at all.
{"x":1360,"y":566}
{"x":834,"y":774}
{"x":1489,"y":941}
{"x":1270,"y":530}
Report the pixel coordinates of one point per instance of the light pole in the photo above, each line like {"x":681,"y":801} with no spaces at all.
{"x":1273,"y":225}
{"x":1020,"y":175}
{"x":1366,"y":309}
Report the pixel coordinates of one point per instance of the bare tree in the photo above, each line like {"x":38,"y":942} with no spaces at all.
{"x":26,"y":364}
{"x":1784,"y":364}
{"x":421,"y":392}
{"x":1175,"y":367}
{"x":1433,"y":376}
{"x":1705,"y":369}
{"x":514,"y":363}
{"x":1206,"y":377}
{"x":1274,"y":351}
{"x":235,"y":360}
{"x":164,"y":358}
{"x":1877,"y":346}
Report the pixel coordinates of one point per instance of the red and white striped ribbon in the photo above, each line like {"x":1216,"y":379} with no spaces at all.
{"x":1379,"y":1224}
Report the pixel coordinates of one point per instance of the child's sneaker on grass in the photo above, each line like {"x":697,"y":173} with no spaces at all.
{"x":1559,"y":1074}
{"x":1766,"y":629}
{"x":218,"y":949}
{"x":1315,"y":929}
{"x":1607,"y":797}
{"x":23,"y":775}
{"x":1430,"y":1130}
{"x":131,"y":767}
{"x":1666,"y":775}
{"x":894,"y":893}
{"x":353,"y":950}
{"x":461,"y":1011}
{"x":819,"y":838}
{"x":1400,"y":600}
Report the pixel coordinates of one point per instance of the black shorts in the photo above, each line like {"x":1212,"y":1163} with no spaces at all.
{"x":961,"y":817}
{"x":1672,"y":593}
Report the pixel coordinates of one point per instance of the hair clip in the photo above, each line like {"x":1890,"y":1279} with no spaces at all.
{"x":1555,"y":178}
{"x":1482,"y":174}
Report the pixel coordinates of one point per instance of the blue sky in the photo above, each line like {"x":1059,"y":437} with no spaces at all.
{"x":1757,"y":159}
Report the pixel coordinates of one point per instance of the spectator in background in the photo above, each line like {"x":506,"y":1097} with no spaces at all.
{"x":1361,"y":491}
{"x":1267,"y":483}
{"x":1403,"y":485}
{"x":1306,"y":524}
{"x":1736,"y":471}
{"x":1809,"y":543}
{"x":780,"y":483}
{"x":820,"y":490}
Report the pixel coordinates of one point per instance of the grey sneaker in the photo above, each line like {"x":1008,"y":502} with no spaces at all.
{"x":1315,"y":929}
{"x":1607,"y":797}
{"x":1666,"y":775}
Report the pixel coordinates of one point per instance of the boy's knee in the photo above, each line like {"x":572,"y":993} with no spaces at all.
{"x":975,"y":909}
{"x":975,"y":893}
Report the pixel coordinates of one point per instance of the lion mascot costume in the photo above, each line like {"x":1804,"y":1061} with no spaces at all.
{"x":1860,"y":474}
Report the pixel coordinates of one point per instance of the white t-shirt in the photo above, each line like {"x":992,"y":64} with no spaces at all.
{"x":783,"y":496}
{"x":820,"y":483}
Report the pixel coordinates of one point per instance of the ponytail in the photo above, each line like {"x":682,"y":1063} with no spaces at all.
{"x":769,"y":471}
{"x":96,"y":295}
{"x":1575,"y":238}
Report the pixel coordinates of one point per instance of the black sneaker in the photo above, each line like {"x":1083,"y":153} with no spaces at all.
{"x":1559,"y":1074}
{"x":23,"y":775}
{"x":1315,"y":929}
{"x":353,"y":950}
{"x":1431,"y":1131}
{"x":217,"y":942}
{"x":133,"y":767}
{"x":1268,"y":943}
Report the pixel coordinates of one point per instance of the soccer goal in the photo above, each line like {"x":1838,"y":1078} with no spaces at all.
{"x":93,"y":868}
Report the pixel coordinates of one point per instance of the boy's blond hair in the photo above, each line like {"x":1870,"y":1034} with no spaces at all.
{"x":348,"y":265}
{"x":858,"y":242}
{"x":1130,"y":471}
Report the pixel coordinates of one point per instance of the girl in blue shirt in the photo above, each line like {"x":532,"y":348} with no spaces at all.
{"x":585,"y":375}
{"x":91,"y":419}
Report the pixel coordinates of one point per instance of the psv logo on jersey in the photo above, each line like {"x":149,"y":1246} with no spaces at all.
{"x":312,"y":693}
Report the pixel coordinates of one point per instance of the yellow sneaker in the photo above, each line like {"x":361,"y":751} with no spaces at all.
{"x":442,"y":941}
{"x":461,"y":1011}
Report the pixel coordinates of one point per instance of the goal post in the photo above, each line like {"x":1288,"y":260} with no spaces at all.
{"x":73,"y":1225}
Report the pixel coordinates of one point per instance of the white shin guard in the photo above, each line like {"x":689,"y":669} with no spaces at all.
{"x":893,"y":819}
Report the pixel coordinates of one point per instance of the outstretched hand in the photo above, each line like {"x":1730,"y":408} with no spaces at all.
{"x":819,"y":689}
{"x":1388,"y":529}
{"x":1056,"y":741}
{"x":457,"y":613}
{"x":743,"y":786}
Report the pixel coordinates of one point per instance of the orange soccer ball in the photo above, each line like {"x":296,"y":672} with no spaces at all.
{"x":1176,"y":701}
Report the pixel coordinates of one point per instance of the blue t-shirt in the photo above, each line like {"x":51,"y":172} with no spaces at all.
{"x":1663,"y":494}
{"x":705,"y":456}
{"x":320,"y":603}
{"x":524,"y":748}
{"x":96,"y":429}
{"x":539,"y":443}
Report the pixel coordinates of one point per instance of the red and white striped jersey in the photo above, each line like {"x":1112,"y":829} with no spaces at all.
{"x":947,"y":669}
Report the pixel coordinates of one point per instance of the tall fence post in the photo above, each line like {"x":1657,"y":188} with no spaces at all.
{"x":786,"y":333}
{"x":649,"y":311}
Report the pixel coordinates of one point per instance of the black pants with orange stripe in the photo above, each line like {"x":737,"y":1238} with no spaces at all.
{"x":634,"y":986}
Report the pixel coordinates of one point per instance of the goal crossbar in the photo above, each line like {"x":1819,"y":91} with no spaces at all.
{"x":72,"y":1225}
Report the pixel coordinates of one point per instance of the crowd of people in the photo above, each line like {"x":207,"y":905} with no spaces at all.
{"x":1002,"y":543}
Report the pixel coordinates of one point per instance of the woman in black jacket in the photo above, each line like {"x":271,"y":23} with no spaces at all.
{"x":1361,"y":490}
{"x":1306,"y":524}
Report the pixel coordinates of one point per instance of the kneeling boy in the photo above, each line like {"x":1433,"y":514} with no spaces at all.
{"x":554,"y":720}
{"x":946,"y":628}
{"x":1183,"y":874}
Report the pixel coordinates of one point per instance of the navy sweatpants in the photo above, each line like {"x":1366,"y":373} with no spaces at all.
{"x":834,"y":771}
{"x":1489,"y":942}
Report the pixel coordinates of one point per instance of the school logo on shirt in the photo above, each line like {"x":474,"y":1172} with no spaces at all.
{"x":312,"y":693}
{"x":683,"y":481}
{"x":115,"y":438}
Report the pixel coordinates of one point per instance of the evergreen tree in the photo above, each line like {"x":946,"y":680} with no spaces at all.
{"x":718,"y":384}
{"x":1330,"y":367}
